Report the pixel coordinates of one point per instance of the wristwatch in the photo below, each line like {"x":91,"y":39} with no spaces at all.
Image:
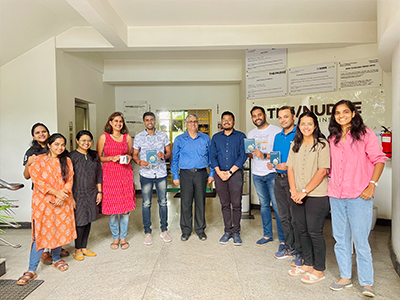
{"x":230,"y":172}
{"x":265,"y":155}
{"x":304,"y":191}
{"x":374,"y":182}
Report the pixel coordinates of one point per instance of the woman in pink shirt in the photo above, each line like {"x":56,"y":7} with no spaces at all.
{"x":357,"y":162}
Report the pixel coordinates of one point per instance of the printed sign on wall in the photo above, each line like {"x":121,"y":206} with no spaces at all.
{"x":312,"y":79}
{"x":360,"y":73}
{"x":258,"y":60}
{"x":266,"y":84}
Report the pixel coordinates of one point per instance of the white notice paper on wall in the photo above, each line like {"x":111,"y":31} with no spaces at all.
{"x":265,"y":59}
{"x":360,"y":73}
{"x":266,"y":84}
{"x":312,"y":79}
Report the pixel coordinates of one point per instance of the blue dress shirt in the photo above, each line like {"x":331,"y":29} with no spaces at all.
{"x":228,"y":150}
{"x":189,"y":153}
{"x":282,"y":143}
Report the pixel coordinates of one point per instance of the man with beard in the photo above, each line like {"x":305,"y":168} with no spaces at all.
{"x":263,"y":178}
{"x":227,"y":158}
{"x":152,"y":174}
{"x":190,"y":159}
{"x":282,"y":143}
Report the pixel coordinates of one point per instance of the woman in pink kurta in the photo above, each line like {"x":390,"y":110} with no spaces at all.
{"x":115,"y":150}
{"x":53,"y":222}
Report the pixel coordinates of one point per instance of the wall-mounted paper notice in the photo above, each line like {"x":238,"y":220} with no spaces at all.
{"x":312,"y":79}
{"x":266,"y":84}
{"x":360,"y":73}
{"x":265,"y":59}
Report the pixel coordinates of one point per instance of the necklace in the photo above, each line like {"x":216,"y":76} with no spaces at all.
{"x":116,"y":137}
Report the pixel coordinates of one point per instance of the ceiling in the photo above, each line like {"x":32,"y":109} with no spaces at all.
{"x":163,"y":28}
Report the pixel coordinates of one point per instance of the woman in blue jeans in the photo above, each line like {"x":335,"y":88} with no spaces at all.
{"x":357,"y":163}
{"x":308,"y":163}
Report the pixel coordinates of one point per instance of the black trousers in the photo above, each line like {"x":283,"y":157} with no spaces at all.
{"x":193,"y":186}
{"x":230,"y":196}
{"x":82,"y":233}
{"x":310,"y":219}
{"x":285,"y":208}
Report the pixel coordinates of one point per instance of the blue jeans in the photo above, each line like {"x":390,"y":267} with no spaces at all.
{"x":34,"y":257}
{"x":115,"y":227}
{"x":352,"y":218}
{"x":147,"y":193}
{"x":265,"y":191}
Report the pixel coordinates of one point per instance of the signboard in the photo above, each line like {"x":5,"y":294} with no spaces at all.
{"x":266,"y":84}
{"x":133,"y":115}
{"x":258,"y":60}
{"x":360,"y":73}
{"x":312,"y":79}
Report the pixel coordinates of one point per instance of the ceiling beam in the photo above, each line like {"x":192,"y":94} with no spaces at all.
{"x":102,"y":16}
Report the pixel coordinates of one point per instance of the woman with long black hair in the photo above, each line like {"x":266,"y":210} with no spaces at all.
{"x":357,"y":164}
{"x":40,"y":134}
{"x":87,"y":190}
{"x":308,"y":163}
{"x":53,"y":223}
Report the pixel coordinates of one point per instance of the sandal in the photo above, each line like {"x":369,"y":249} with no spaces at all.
{"x":124,"y":245}
{"x":60,"y":265}
{"x":114,"y":245}
{"x":311,"y":278}
{"x":78,"y":255}
{"x":89,"y":253}
{"x":27,"y":277}
{"x":297,"y":272}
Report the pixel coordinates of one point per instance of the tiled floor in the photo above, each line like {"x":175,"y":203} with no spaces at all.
{"x":192,"y":269}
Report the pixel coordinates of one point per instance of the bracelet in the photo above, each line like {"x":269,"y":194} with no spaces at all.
{"x":99,"y":192}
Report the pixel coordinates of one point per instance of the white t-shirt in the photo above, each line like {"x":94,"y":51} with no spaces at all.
{"x":265,"y":142}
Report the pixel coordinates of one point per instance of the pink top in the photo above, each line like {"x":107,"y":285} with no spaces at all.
{"x":352,"y":165}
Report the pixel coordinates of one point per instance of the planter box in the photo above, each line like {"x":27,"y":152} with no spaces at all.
{"x":2,"y":266}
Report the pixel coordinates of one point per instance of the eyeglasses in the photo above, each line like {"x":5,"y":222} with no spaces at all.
{"x":193,"y":122}
{"x":226,"y":120}
{"x":85,"y":141}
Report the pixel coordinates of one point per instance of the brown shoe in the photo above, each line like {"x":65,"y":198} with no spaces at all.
{"x":64,"y":253}
{"x":46,"y":258}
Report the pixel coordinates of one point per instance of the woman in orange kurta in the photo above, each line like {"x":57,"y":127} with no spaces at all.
{"x":53,"y":223}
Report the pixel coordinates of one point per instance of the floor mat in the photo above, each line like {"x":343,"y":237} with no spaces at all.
{"x":10,"y":290}
{"x":208,"y":194}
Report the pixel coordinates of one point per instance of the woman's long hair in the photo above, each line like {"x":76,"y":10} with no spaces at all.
{"x":93,"y":154}
{"x":35,"y":144}
{"x":317,"y":134}
{"x":357,"y":128}
{"x":109,"y":129}
{"x":62,"y":157}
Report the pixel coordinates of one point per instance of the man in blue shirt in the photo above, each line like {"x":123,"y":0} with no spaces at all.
{"x":282,"y":143}
{"x":152,"y":174}
{"x":190,"y":159}
{"x":227,"y":158}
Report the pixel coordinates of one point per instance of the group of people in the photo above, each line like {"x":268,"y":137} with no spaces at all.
{"x":68,"y":187}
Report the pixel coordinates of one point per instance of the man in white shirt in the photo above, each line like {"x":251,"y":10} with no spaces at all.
{"x":263,"y":178}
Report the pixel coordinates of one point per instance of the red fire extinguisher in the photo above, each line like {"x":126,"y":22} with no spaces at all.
{"x":386,"y":139}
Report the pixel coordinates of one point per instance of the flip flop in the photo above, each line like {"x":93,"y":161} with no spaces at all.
{"x":114,"y":245}
{"x":78,"y":256}
{"x":26,"y":278}
{"x":297,"y":272}
{"x":124,"y":245}
{"x":312,"y":279}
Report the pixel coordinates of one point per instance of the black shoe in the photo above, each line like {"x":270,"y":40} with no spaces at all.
{"x":202,"y":236}
{"x":185,"y":237}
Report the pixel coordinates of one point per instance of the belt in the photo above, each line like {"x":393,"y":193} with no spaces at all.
{"x":194,"y":170}
{"x":282,"y":175}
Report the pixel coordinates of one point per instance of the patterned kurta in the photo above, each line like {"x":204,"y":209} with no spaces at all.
{"x":53,"y":226}
{"x":118,"y":186}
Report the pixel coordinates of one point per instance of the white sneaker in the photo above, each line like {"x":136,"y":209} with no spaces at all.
{"x":148,"y":239}
{"x":166,"y":237}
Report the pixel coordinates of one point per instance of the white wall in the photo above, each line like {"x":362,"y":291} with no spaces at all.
{"x":304,"y":57}
{"x":81,"y":76}
{"x":28,"y":95}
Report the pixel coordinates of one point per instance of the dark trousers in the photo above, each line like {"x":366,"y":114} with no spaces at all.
{"x":193,"y":186}
{"x":230,"y":194}
{"x":82,"y":235}
{"x":285,"y":208}
{"x":310,"y":219}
